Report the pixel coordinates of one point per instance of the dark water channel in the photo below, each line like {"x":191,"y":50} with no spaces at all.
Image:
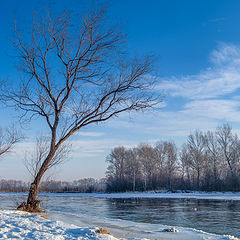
{"x":213,"y":216}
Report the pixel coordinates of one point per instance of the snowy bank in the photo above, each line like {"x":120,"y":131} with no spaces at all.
{"x":20,"y":225}
{"x":176,"y":195}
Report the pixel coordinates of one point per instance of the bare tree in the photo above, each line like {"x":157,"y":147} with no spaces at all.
{"x":207,"y":161}
{"x":117,"y":164}
{"x":8,"y":138}
{"x":184,"y":159}
{"x":34,"y":161}
{"x":148,"y":158}
{"x":196,"y":145}
{"x":229,"y":147}
{"x":74,"y":78}
{"x":214,"y":155}
{"x":160,"y":161}
{"x":124,"y":169}
{"x":133,"y":167}
{"x":170,"y":150}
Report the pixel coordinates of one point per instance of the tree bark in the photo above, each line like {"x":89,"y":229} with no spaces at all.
{"x":198,"y":178}
{"x":33,"y":204}
{"x":215,"y":174}
{"x":134,"y":180}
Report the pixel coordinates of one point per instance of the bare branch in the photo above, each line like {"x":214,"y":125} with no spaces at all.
{"x":8,"y":138}
{"x":75,"y":76}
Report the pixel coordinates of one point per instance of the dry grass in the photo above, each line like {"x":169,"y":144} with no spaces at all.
{"x":42,"y":216}
{"x":103,"y":231}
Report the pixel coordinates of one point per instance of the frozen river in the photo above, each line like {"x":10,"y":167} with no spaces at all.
{"x":123,"y":216}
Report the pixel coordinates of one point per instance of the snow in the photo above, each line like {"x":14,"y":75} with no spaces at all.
{"x":177,"y":195}
{"x":20,"y":225}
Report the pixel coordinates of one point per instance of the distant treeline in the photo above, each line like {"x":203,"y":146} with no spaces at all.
{"x":208,"y":161}
{"x":13,"y":186}
{"x":82,"y":185}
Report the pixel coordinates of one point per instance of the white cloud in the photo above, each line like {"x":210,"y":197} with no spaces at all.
{"x":209,"y":97}
{"x":222,"y":78}
{"x":173,"y":125}
{"x":226,"y":110}
{"x":226,"y":54}
{"x":90,"y":148}
{"x":89,"y":134}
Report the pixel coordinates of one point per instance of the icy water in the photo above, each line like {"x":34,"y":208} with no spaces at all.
{"x":213,"y":216}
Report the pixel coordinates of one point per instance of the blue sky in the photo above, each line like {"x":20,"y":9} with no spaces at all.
{"x":197,"y":44}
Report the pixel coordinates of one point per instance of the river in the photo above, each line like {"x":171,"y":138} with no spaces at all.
{"x":210,"y":215}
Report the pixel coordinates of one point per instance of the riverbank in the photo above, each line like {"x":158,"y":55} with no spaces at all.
{"x":151,"y":194}
{"x":170,"y":195}
{"x":20,"y":225}
{"x":140,"y":215}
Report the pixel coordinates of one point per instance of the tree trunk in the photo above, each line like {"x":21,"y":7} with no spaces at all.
{"x":134,"y":180}
{"x":198,"y":179}
{"x":169,"y":183}
{"x":145,"y":182}
{"x":33,"y":204}
{"x":215,"y":174}
{"x":32,"y":195}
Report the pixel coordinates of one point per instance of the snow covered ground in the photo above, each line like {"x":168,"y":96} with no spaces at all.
{"x":20,"y":225}
{"x":176,"y":195}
